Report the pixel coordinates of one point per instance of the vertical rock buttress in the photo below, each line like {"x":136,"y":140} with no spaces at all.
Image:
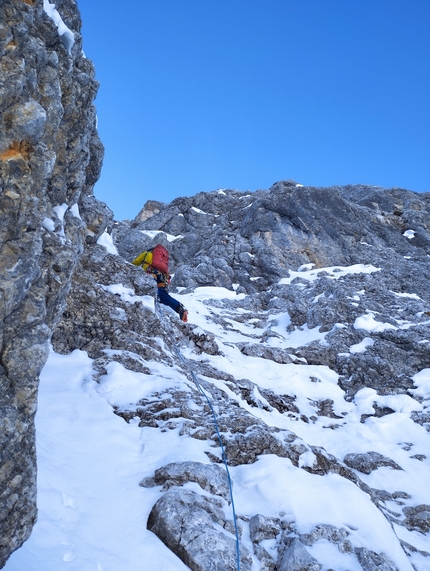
{"x":50,"y":159}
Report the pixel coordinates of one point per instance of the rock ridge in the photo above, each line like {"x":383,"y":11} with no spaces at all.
{"x":50,"y":159}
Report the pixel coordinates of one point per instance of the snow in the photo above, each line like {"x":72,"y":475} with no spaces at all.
{"x":367,"y":322}
{"x":362,"y":346}
{"x":60,"y":211}
{"x":297,"y":338}
{"x":328,"y":500}
{"x":92,"y":512}
{"x":409,"y":234}
{"x":169,"y":237}
{"x":48,"y":224}
{"x":366,"y":398}
{"x":105,"y":240}
{"x":410,"y":295}
{"x":74,"y":209}
{"x":65,"y":34}
{"x":122,"y":387}
{"x":334,"y":272}
{"x":422,"y":382}
{"x":198,"y":210}
{"x":305,"y":267}
{"x":128,"y":295}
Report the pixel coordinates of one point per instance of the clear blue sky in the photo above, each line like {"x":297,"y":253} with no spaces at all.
{"x":203,"y":94}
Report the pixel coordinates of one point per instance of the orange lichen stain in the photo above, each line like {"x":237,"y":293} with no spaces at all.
{"x":11,"y":45}
{"x":29,"y":2}
{"x":17,"y":150}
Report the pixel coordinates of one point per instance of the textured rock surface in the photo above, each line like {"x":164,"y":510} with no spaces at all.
{"x":296,"y":558}
{"x":252,"y":239}
{"x":189,"y":524}
{"x":50,"y":158}
{"x":367,"y":462}
{"x":210,"y":477}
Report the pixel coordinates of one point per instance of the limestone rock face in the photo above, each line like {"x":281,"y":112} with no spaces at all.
{"x":252,"y":239}
{"x":190,"y":525}
{"x":50,"y":158}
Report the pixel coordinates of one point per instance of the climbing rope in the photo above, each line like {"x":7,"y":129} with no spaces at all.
{"x":230,"y":485}
{"x":222,"y":451}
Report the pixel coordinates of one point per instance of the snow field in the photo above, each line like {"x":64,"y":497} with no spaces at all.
{"x":92,"y":512}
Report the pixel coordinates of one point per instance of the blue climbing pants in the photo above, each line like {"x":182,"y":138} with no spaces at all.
{"x":166,"y":299}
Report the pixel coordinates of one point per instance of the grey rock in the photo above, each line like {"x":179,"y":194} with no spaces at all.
{"x":210,"y":477}
{"x":150,"y":208}
{"x":371,"y":561}
{"x":97,"y":216}
{"x":330,"y":532}
{"x":244,"y":448}
{"x":417,"y":518}
{"x":95,"y":319}
{"x":290,"y":220}
{"x":49,"y":147}
{"x":266,"y":561}
{"x":262,"y":527}
{"x":297,"y":558}
{"x":369,"y":461}
{"x":192,"y":527}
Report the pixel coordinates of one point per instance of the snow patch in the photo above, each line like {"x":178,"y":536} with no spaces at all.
{"x":198,"y":210}
{"x":65,"y":33}
{"x":106,"y":241}
{"x":169,"y":237}
{"x":422,"y":382}
{"x":366,"y":398}
{"x":362,"y":346}
{"x":48,"y":224}
{"x":367,"y":322}
{"x":127,"y":294}
{"x":410,"y":295}
{"x":335,"y":272}
{"x":75,"y":211}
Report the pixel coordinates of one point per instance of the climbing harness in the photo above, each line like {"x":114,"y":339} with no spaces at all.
{"x":222,"y":450}
{"x":159,"y":309}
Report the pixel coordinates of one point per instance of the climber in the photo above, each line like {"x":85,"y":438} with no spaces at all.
{"x":156,"y":262}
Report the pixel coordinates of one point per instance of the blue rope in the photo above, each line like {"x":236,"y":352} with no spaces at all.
{"x":223,"y":454}
{"x":230,"y":485}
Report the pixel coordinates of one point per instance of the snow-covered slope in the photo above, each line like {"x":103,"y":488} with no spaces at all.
{"x":338,"y":476}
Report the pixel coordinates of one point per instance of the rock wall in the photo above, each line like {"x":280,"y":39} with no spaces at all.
{"x":50,"y":158}
{"x":253,"y":239}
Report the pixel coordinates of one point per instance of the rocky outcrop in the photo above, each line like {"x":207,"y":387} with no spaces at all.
{"x":189,"y":524}
{"x":50,"y":158}
{"x":252,"y":239}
